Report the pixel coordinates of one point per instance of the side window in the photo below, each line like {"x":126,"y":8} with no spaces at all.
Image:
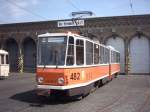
{"x":89,"y":53}
{"x":2,"y":59}
{"x":106,"y":55}
{"x":118,"y":57}
{"x":101,"y":54}
{"x":7,"y":59}
{"x":70,"y":54}
{"x":113,"y":56}
{"x":105,"y":61}
{"x":96,"y":54}
{"x":79,"y":52}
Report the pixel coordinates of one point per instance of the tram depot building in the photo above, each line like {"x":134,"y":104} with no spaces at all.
{"x":128,"y":34}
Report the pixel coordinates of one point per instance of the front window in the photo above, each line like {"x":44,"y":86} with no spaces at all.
{"x":70,"y":54}
{"x":52,"y":50}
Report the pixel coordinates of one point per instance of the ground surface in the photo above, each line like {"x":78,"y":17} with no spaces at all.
{"x":123,"y":94}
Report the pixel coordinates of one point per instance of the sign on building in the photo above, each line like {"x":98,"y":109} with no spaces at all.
{"x":70,"y":23}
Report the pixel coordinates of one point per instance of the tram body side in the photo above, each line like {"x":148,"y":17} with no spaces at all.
{"x":76,"y":80}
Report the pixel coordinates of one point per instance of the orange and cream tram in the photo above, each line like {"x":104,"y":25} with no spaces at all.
{"x":69,"y":64}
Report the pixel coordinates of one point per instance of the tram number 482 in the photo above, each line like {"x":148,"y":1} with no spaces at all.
{"x":75,"y":76}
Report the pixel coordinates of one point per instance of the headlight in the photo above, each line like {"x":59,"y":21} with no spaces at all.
{"x":40,"y":79}
{"x":61,"y":80}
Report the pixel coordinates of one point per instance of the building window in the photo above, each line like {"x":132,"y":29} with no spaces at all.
{"x":79,"y":52}
{"x":89,"y":53}
{"x":70,"y":54}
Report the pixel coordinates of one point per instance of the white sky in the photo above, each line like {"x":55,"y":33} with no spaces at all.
{"x":14,"y":11}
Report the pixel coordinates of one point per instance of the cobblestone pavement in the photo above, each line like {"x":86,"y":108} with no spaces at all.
{"x":124,"y":94}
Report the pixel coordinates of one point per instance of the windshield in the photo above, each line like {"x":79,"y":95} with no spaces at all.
{"x":51,"y":50}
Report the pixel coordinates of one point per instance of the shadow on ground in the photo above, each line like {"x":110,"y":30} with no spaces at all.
{"x":33,"y":100}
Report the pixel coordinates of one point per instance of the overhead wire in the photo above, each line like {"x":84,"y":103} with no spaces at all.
{"x":77,"y":8}
{"x":73,"y":5}
{"x":25,"y":9}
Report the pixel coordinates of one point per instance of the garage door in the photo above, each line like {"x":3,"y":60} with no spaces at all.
{"x":140,"y":55}
{"x":118,"y":43}
{"x":29,"y":52}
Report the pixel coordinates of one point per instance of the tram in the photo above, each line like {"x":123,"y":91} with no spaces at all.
{"x":4,"y":64}
{"x":69,"y":64}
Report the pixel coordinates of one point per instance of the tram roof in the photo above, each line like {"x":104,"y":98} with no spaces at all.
{"x":58,"y":34}
{"x":3,"y":51}
{"x":66,"y":34}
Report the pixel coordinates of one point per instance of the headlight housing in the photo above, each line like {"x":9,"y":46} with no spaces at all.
{"x":61,"y":80}
{"x":40,"y":79}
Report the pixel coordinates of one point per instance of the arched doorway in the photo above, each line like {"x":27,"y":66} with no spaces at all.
{"x":140,"y":55}
{"x":29,"y":53}
{"x":118,"y":44}
{"x":12,"y":47}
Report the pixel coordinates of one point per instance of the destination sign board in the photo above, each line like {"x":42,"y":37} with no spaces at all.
{"x":70,"y":23}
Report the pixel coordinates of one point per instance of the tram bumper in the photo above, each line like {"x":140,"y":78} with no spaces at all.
{"x":43,"y":90}
{"x":46,"y":90}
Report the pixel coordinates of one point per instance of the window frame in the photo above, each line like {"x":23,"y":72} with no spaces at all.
{"x":2,"y":59}
{"x":73,"y":44}
{"x":83,"y":55}
{"x":98,"y":54}
{"x":92,"y":53}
